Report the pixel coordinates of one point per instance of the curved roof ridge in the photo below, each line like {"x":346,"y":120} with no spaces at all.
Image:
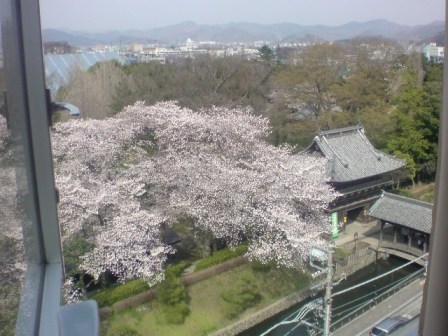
{"x":344,"y":163}
{"x":341,"y":130}
{"x":352,"y":154}
{"x":369,"y":144}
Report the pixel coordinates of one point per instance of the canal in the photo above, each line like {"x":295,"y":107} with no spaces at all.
{"x":343,"y":303}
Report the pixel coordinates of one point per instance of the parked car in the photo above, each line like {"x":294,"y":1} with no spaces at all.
{"x":387,"y":326}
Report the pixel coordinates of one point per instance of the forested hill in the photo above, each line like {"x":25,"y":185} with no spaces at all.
{"x":250,"y":32}
{"x":397,"y":97}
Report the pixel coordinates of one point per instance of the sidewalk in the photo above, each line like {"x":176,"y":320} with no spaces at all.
{"x":392,"y":306}
{"x":367,"y":232}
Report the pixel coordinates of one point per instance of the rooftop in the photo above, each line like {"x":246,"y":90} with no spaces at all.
{"x":352,"y":156}
{"x":404,"y":211}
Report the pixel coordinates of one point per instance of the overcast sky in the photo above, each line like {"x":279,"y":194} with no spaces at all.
{"x":106,"y":15}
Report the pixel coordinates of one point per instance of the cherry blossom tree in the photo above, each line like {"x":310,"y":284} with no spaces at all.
{"x":101,"y":169}
{"x":219,"y":170}
{"x":212,"y":165}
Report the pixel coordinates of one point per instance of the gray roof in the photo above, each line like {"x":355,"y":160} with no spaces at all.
{"x":404,"y":211}
{"x":352,"y":156}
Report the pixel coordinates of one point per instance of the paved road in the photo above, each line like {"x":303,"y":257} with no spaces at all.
{"x":405,"y":302}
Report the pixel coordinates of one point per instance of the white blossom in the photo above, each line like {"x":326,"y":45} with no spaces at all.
{"x":213,"y":165}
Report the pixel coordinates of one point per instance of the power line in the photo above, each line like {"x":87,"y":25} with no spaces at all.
{"x":377,"y":290}
{"x":378,"y":277}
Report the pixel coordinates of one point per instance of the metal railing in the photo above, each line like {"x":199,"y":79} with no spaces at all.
{"x":365,"y":306}
{"x":353,"y":258}
{"x":402,"y":247}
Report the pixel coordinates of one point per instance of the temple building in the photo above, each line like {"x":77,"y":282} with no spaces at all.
{"x":358,"y":171}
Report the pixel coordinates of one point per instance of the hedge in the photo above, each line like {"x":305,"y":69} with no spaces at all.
{"x":177,"y":269}
{"x":186,"y":280}
{"x":134,"y":301}
{"x":193,"y":278}
{"x":109,"y":296}
{"x":221,"y":256}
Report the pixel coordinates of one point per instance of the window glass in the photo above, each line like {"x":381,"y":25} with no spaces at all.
{"x":178,"y":150}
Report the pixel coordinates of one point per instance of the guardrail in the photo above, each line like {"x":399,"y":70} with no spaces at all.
{"x":353,"y":258}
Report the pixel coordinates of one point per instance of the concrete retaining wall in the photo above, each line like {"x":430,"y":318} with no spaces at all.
{"x":264,"y":314}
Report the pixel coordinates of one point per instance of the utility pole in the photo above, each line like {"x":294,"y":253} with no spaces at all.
{"x":327,"y":298}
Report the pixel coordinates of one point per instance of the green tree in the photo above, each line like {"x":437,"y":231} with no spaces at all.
{"x":242,"y":295}
{"x":172,"y":296}
{"x":416,"y":117}
{"x":266,"y":54}
{"x":309,"y":86}
{"x":199,"y":82}
{"x":367,"y":85}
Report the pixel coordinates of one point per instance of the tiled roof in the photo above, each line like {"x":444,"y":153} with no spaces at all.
{"x":404,"y":211}
{"x":352,"y":156}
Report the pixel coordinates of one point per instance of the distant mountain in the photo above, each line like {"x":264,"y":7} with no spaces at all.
{"x":54,"y":35}
{"x":439,"y":39}
{"x":422,"y":32}
{"x":250,"y":32}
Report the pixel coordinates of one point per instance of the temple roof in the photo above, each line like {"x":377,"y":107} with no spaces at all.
{"x":404,"y":211}
{"x":352,"y":156}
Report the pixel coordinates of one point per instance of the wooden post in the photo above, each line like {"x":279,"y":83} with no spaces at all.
{"x":395,"y":234}
{"x":365,"y":212}
{"x":381,"y":232}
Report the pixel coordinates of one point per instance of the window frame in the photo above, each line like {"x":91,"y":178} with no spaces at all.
{"x":27,"y":112}
{"x":26,"y":57}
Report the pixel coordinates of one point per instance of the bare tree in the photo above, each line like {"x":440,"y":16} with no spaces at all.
{"x":93,"y":90}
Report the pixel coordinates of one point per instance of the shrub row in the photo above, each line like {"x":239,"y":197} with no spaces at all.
{"x":134,"y":301}
{"x":118,"y":292}
{"x":220,"y":256}
{"x":177,"y":269}
{"x":193,"y":278}
{"x":186,"y":280}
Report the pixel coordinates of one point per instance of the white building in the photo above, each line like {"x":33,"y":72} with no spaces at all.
{"x":433,"y":52}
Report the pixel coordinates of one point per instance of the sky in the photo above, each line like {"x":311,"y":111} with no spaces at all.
{"x":107,"y":15}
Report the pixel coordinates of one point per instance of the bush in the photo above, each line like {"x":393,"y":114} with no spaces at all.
{"x":177,"y":270}
{"x":172,"y":295}
{"x":195,"y":277}
{"x":340,"y":254}
{"x":134,"y":301}
{"x":121,"y":330}
{"x":244,"y":294}
{"x":74,"y":248}
{"x":276,"y":281}
{"x":120,"y":292}
{"x":175,"y":314}
{"x":221,"y":256}
{"x":259,"y":267}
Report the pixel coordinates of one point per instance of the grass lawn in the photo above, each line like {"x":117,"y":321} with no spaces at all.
{"x":206,"y":305}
